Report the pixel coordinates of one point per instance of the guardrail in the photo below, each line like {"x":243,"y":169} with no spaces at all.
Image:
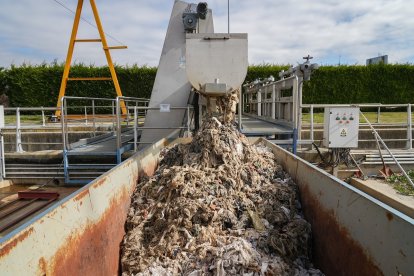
{"x":18,"y":126}
{"x":66,"y":117}
{"x":270,"y":102}
{"x":378,"y":106}
{"x":100,"y":113}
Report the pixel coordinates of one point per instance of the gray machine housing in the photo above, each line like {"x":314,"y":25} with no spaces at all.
{"x":193,"y":58}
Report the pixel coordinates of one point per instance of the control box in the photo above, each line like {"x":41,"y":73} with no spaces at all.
{"x":341,"y":127}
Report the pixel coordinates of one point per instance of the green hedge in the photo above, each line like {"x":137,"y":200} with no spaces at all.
{"x":39,"y":85}
{"x":386,"y":84}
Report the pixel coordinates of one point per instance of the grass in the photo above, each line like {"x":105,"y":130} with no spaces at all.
{"x":400,"y":183}
{"x":33,"y":119}
{"x":385,"y":117}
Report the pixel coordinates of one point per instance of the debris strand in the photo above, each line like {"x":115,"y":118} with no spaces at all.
{"x":217,"y":206}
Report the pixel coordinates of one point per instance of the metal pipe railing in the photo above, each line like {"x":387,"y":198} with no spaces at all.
{"x":409,"y":128}
{"x":387,"y":149}
{"x":18,"y":132}
{"x":90,"y":112}
{"x":256,"y":101}
{"x":126,"y":101}
{"x":409,"y":138}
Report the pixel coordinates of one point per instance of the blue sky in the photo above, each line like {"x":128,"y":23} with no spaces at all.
{"x":280,"y":32}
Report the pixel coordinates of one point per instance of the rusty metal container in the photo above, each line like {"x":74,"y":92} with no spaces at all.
{"x":353,"y":233}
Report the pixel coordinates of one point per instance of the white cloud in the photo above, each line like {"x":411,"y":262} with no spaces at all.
{"x":279,"y":31}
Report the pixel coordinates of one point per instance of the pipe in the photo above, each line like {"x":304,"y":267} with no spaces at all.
{"x":385,"y":146}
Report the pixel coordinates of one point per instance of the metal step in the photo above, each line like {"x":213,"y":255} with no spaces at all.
{"x":50,"y":171}
{"x":402,"y":158}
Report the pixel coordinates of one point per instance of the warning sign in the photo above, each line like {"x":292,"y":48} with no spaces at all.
{"x":344,"y":132}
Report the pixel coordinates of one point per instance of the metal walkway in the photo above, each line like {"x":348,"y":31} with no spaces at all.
{"x":278,"y":133}
{"x":88,"y":157}
{"x":99,"y":147}
{"x":252,"y":126}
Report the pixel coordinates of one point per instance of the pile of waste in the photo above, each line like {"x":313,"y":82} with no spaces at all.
{"x":217,"y":206}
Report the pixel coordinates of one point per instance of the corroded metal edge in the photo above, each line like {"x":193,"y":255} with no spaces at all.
{"x":353,"y":233}
{"x":81,"y":234}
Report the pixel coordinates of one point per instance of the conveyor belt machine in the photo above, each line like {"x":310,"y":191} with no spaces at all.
{"x":194,"y":58}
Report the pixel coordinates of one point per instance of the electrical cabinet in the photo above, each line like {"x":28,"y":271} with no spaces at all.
{"x":341,"y":127}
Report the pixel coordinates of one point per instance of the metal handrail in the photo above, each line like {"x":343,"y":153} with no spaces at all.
{"x":386,"y":148}
{"x":247,"y":100}
{"x":126,"y":100}
{"x":88,"y":108}
{"x":64,"y":117}
{"x":409,"y":138}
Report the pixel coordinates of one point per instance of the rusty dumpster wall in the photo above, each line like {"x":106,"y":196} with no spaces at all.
{"x":353,"y":233}
{"x":81,"y":234}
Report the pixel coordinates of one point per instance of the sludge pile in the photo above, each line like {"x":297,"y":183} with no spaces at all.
{"x":217,"y":206}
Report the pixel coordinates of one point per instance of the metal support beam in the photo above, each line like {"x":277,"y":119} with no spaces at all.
{"x":106,"y":48}
{"x":409,"y":128}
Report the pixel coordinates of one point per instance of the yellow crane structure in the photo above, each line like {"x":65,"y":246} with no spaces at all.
{"x":106,"y":48}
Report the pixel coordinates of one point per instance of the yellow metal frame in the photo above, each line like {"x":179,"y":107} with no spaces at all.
{"x":105,"y":47}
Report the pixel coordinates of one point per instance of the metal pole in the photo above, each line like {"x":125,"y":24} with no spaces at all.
{"x":228,"y":16}
{"x":409,"y":128}
{"x":127,"y":114}
{"x":311,"y":123}
{"x":188,"y":121}
{"x":93,"y":118}
{"x":295,"y":141}
{"x":66,"y":132}
{"x":273,"y":101}
{"x":390,"y":153}
{"x":118,"y":124}
{"x":43,"y":118}
{"x":135,"y":128}
{"x":299,"y":108}
{"x":86,"y":117}
{"x":3,"y":161}
{"x":295,"y":94}
{"x":18,"y":132}
{"x":378,"y":114}
{"x":62,"y":121}
{"x":113,"y":115}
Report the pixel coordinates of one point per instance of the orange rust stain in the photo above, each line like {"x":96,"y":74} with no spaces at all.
{"x":100,"y":182}
{"x":150,"y":167}
{"x":42,"y":266}
{"x":81,"y":195}
{"x":5,"y":250}
{"x":95,"y":250}
{"x":334,"y":251}
{"x":389,"y":216}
